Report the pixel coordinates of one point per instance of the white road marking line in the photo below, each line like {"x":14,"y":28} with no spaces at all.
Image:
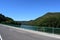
{"x":0,"y":37}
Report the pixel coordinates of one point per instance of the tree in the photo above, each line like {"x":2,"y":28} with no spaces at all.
{"x":2,"y":18}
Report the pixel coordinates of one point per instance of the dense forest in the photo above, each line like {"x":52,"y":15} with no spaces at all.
{"x":8,"y":20}
{"x":50,"y":19}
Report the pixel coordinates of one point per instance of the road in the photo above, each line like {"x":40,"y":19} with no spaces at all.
{"x":8,"y":33}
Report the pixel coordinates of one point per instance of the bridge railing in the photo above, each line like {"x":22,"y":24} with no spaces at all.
{"x":49,"y":30}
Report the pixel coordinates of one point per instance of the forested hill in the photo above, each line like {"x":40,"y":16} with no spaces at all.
{"x":50,"y":19}
{"x":7,"y":20}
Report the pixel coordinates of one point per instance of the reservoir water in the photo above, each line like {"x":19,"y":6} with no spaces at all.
{"x":29,"y":27}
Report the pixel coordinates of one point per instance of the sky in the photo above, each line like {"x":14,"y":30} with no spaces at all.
{"x":24,"y":10}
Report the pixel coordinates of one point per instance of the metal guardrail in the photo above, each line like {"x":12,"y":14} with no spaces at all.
{"x":49,"y":30}
{"x":43,"y":29}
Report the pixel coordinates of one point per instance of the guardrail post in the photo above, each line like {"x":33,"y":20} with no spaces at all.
{"x":53,"y":30}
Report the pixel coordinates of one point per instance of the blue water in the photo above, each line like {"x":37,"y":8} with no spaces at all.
{"x":28,"y":27}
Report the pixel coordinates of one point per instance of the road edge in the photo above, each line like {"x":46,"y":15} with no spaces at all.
{"x":36,"y":32}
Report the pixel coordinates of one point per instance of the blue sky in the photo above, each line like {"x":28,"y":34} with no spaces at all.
{"x":22,"y":10}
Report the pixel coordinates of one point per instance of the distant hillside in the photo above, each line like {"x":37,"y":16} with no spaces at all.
{"x":50,"y":19}
{"x":7,"y":20}
{"x":23,"y":22}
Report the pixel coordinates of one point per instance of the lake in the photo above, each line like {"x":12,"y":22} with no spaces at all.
{"x":29,"y":27}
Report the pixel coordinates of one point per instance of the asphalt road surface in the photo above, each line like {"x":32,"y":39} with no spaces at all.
{"x":8,"y":33}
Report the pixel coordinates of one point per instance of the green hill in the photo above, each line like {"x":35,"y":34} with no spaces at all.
{"x":50,"y":19}
{"x":8,"y":20}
